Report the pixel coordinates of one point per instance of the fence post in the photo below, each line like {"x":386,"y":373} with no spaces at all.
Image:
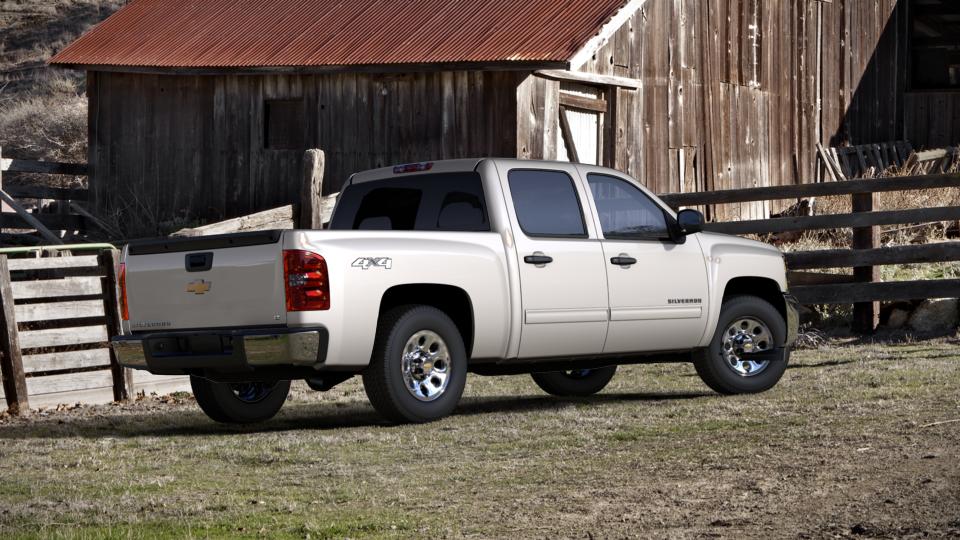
{"x":311,"y":190}
{"x":110,"y":264}
{"x":866,"y":315}
{"x":11,"y":361}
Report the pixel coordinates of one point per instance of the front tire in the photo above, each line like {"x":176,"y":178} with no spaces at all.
{"x":419,"y":365}
{"x":239,"y":403}
{"x":574,"y":383}
{"x":747,"y":353}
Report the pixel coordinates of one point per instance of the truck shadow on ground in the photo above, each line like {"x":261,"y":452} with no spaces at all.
{"x":188,"y":420}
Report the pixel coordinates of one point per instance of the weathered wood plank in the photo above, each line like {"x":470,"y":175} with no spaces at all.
{"x":37,"y":363}
{"x":850,"y":293}
{"x":45,"y":167}
{"x":842,"y":258}
{"x":110,"y":261}
{"x":48,"y":222}
{"x":11,"y":362}
{"x":311,"y":189}
{"x":27,"y":218}
{"x":81,"y":309}
{"x":825,"y":189}
{"x":58,"y":337}
{"x":590,"y":78}
{"x":46,"y":263}
{"x":277,"y":218}
{"x":583,"y":103}
{"x":52,"y":288}
{"x":326,"y":207}
{"x":863,"y":219}
{"x":69,"y":382}
{"x":45,"y":192}
{"x":795,"y":279}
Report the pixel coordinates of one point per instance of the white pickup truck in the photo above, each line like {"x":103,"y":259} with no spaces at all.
{"x":433,"y":270}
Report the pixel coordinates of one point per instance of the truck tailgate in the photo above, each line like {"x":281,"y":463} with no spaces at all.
{"x":209,"y":282}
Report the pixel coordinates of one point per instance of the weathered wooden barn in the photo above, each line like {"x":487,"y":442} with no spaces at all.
{"x":202,"y":110}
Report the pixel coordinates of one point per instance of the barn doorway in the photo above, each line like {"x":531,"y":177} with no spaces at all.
{"x":583,"y":117}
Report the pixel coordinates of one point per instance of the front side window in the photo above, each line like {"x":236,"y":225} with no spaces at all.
{"x":626,"y":212}
{"x":546,"y":203}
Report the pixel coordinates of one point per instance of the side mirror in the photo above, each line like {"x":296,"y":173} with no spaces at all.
{"x":690,"y":221}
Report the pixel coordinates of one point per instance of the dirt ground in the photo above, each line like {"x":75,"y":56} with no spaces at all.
{"x":856,"y":442}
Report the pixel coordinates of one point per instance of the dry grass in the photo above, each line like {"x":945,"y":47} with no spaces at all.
{"x":839,"y":448}
{"x":43,"y":110}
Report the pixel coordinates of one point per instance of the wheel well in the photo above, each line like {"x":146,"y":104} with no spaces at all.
{"x":453,"y":301}
{"x":764,"y":288}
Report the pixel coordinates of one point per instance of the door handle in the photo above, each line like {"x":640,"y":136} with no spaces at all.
{"x":538,"y":259}
{"x":623,"y":260}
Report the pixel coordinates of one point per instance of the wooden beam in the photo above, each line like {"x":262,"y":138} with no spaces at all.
{"x":567,"y":135}
{"x":311,"y":191}
{"x":33,"y":222}
{"x":795,"y":279}
{"x":11,"y":361}
{"x":276,"y":218}
{"x":590,"y":78}
{"x":44,"y":192}
{"x":51,"y":222}
{"x":851,"y":293}
{"x":110,"y":263}
{"x":572,"y":101}
{"x":43,"y":167}
{"x":866,"y":315}
{"x":824,"y":189}
{"x":844,"y":258}
{"x":863,"y":219}
{"x":46,"y":263}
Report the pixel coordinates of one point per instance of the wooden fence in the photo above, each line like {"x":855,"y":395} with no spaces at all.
{"x":864,"y":288}
{"x":70,"y":215}
{"x":57,"y":317}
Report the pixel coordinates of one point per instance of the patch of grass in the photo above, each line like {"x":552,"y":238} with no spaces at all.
{"x":655,"y":454}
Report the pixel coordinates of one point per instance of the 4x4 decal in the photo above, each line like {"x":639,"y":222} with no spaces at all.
{"x":373,"y":262}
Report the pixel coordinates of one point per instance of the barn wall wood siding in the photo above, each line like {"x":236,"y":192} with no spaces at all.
{"x":166,"y":149}
{"x":733,"y":94}
{"x":737,"y":93}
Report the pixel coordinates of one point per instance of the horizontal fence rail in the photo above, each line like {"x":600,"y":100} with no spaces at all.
{"x":863,"y":288}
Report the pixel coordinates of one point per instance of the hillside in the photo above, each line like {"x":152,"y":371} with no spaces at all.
{"x":43,"y":110}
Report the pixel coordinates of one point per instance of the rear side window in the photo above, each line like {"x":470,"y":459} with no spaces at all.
{"x":423,"y":202}
{"x":546,"y":203}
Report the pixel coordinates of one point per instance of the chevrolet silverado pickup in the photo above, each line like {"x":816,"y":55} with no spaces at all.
{"x":429,"y":271}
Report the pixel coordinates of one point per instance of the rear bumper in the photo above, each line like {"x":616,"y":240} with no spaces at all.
{"x":793,"y":318}
{"x":222,"y":351}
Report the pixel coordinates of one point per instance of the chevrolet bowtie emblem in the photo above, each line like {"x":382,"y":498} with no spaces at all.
{"x":199,"y":286}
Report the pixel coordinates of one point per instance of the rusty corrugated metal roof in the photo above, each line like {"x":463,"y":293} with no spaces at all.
{"x":303,"y":33}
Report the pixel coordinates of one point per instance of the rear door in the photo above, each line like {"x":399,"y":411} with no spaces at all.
{"x":562,"y":276}
{"x":658,"y":287}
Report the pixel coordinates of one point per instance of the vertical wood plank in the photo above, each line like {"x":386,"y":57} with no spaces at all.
{"x":311,"y":190}
{"x":110,"y":263}
{"x":11,"y":361}
{"x":866,"y":315}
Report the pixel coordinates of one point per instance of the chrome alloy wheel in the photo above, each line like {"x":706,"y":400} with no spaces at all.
{"x":744,"y":337}
{"x":426,"y":365}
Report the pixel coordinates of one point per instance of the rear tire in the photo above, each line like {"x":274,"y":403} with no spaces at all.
{"x":745,"y":319}
{"x":575,"y":383}
{"x":239,"y":403}
{"x":419,"y":365}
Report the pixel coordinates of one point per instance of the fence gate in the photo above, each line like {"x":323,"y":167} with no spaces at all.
{"x":55,"y":324}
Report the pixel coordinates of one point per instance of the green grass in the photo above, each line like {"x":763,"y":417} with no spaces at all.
{"x":656,"y":454}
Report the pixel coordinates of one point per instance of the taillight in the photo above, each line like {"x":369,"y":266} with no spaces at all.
{"x":124,"y":308}
{"x":306,"y":281}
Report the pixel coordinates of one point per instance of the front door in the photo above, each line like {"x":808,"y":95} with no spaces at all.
{"x":657,"y":287}
{"x":563,"y":279}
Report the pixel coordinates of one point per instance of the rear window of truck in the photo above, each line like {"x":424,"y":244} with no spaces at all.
{"x":423,"y":202}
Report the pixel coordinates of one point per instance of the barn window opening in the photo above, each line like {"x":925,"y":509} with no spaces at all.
{"x":582,"y":114}
{"x":284,"y":124}
{"x":934,"y":44}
